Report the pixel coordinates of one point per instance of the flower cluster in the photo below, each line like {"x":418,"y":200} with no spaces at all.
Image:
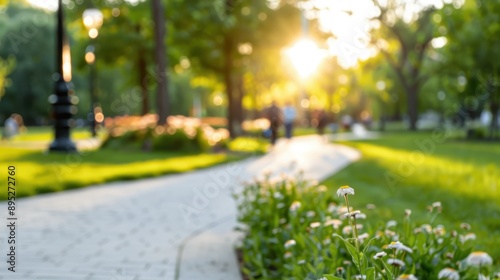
{"x":178,"y":133}
{"x":295,"y":229}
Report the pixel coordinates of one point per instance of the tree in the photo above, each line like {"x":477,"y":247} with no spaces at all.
{"x":413,"y":36}
{"x":472,"y":32}
{"x":28,"y":43}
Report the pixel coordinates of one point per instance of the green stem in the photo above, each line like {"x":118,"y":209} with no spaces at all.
{"x":394,"y":267}
{"x":355,"y":229}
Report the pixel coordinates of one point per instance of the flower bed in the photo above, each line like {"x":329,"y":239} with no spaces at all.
{"x":296,"y":229}
{"x":178,"y":134}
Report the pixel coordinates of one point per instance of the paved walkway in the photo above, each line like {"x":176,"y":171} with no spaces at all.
{"x":171,"y":227}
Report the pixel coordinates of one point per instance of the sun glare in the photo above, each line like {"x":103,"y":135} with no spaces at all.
{"x":305,"y":57}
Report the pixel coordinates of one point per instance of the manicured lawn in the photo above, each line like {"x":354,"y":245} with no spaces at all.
{"x":395,"y":174}
{"x":46,"y":133}
{"x":38,"y":172}
{"x":41,"y":172}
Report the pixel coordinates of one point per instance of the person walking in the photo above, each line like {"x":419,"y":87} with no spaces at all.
{"x":289,"y":115}
{"x":322,"y":121}
{"x":274,"y":115}
{"x":12,"y":126}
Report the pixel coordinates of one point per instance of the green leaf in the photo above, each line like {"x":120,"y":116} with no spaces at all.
{"x":352,"y":251}
{"x":331,"y":277}
{"x":370,"y":273}
{"x":388,"y":270}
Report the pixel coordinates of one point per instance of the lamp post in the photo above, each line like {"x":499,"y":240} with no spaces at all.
{"x":92,"y":19}
{"x":62,"y":100}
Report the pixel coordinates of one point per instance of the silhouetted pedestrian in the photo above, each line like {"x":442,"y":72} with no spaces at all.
{"x":274,"y":115}
{"x":289,"y":115}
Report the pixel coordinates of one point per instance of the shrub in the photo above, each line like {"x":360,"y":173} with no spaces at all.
{"x":178,"y":134}
{"x":296,"y":229}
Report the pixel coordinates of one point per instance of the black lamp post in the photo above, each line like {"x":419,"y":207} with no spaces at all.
{"x":92,"y":19}
{"x":62,"y":100}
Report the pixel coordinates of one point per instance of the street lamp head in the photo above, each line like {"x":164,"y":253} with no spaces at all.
{"x":90,"y":58}
{"x":92,"y":19}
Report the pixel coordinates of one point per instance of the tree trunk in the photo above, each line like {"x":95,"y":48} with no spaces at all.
{"x":413,"y":107}
{"x":240,"y":113}
{"x":142,"y":71}
{"x":162,"y":99}
{"x":228,"y":81}
{"x":397,"y":109}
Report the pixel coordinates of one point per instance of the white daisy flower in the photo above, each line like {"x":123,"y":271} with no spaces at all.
{"x":335,"y":223}
{"x":301,"y":262}
{"x":407,"y":277}
{"x":287,"y":255}
{"x":348,"y":229}
{"x":400,"y":247}
{"x":407,"y":212}
{"x":345,"y":190}
{"x":467,"y":237}
{"x":396,"y":262}
{"x":310,"y":214}
{"x":391,"y":223}
{"x":359,"y":277}
{"x":315,"y":224}
{"x":278,"y":195}
{"x":332,"y":207}
{"x":379,"y":255}
{"x":389,"y":233}
{"x":439,"y":230}
{"x":295,"y":206}
{"x":361,"y":216}
{"x":436,"y":204}
{"x":496,"y":276}
{"x":427,"y":228}
{"x":479,"y":258}
{"x":448,"y":274}
{"x":465,"y":226}
{"x":352,"y":214}
{"x":394,"y":245}
{"x":363,"y":236}
{"x":290,"y":243}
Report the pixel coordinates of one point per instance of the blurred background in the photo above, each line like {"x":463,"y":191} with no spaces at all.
{"x":151,"y":87}
{"x":420,"y":63}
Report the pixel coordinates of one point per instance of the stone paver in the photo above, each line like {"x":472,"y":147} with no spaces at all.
{"x":171,"y":227}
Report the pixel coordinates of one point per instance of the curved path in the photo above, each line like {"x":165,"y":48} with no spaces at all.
{"x":170,"y":227}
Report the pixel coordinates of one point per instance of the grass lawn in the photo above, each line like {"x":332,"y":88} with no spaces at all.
{"x":46,"y":133}
{"x":41,"y":172}
{"x":395,"y":174}
{"x":38,"y":172}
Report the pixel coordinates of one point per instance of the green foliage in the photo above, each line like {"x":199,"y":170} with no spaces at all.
{"x":297,"y":229}
{"x":27,"y":37}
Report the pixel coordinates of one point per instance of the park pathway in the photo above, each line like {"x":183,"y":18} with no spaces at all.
{"x":170,"y":227}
